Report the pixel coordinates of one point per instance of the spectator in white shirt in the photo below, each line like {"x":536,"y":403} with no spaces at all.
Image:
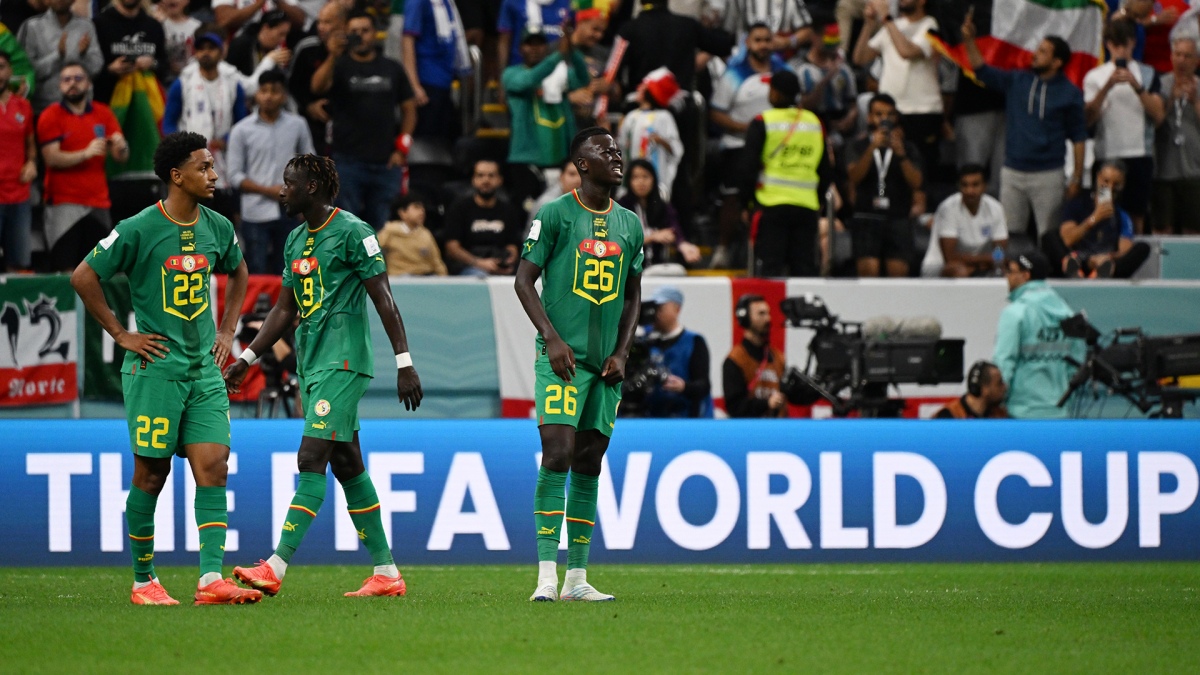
{"x":1121,"y":100}
{"x":968,"y":229}
{"x":909,"y":72}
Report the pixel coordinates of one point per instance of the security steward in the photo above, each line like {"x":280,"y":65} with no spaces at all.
{"x":787,"y":171}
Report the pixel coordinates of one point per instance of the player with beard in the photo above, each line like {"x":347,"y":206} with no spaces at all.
{"x":175,"y":400}
{"x":588,"y":252}
{"x":483,"y":231}
{"x":332,"y":263}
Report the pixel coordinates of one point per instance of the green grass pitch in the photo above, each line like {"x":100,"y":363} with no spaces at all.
{"x":1024,"y":618}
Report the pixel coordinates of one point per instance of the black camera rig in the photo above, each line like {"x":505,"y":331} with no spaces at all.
{"x":841,"y":358}
{"x":1139,"y":368}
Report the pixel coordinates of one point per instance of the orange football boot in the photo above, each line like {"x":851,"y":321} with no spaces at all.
{"x":154,"y":594}
{"x":379,"y":585}
{"x":225,"y":592}
{"x":261,"y":576}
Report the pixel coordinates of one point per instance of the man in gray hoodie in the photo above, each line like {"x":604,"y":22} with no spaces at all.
{"x":53,"y":38}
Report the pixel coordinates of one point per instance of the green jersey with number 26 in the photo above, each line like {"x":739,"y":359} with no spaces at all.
{"x":324,"y":267}
{"x":586,"y":257}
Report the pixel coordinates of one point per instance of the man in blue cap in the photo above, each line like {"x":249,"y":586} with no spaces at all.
{"x":687,"y":391}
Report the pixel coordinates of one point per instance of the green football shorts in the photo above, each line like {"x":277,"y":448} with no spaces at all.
{"x":586,"y":403}
{"x":164,"y":416}
{"x":330,"y":399}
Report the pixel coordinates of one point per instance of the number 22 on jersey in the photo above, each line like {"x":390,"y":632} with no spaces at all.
{"x":309,"y":291}
{"x":185,"y":285}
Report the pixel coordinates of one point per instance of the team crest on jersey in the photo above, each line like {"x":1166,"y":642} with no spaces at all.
{"x":600,"y":249}
{"x":304,"y":266}
{"x":187,"y":263}
{"x":321,"y":408}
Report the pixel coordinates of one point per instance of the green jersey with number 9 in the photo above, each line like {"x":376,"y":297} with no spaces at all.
{"x":586,"y":257}
{"x":324,"y":267}
{"x":169,"y":264}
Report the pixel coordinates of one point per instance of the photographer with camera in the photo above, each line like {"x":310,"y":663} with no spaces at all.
{"x":754,"y":369}
{"x":687,"y":390}
{"x":985,"y":396}
{"x":1031,"y":348}
{"x":886,"y":178}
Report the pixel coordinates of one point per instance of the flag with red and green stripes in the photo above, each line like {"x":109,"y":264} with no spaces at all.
{"x":1018,"y":26}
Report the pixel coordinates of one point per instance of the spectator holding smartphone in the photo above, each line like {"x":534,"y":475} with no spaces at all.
{"x":1095,"y":239}
{"x":1121,"y":100}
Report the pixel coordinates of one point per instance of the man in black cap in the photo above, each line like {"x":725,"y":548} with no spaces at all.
{"x":787,"y":171}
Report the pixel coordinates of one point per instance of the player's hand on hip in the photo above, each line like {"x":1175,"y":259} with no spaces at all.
{"x":562,"y":358}
{"x":408,"y":385}
{"x":613,"y":370}
{"x":222,"y":347}
{"x":234,"y":375}
{"x":146,"y":345}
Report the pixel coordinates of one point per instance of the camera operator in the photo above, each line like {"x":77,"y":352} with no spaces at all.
{"x":754,"y":369}
{"x":687,"y":391}
{"x":984,"y":398}
{"x":1031,"y":348}
{"x":278,"y":365}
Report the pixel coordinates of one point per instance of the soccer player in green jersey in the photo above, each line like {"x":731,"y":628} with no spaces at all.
{"x":332,"y":262}
{"x":588,"y":252}
{"x":175,"y":399}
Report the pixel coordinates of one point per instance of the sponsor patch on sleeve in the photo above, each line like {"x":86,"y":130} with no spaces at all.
{"x":108,"y":241}
{"x":372,"y":245}
{"x":535,"y":230}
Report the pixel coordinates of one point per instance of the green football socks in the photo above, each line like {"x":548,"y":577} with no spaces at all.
{"x":212,"y":519}
{"x":139,"y":516}
{"x":310,"y":494}
{"x":581,"y":518}
{"x":548,"y":512}
{"x":363,"y":504}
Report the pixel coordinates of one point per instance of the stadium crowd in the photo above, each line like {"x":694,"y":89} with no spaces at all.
{"x":449,"y":121}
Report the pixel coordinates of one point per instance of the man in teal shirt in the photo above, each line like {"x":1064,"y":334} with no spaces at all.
{"x":1031,"y":349}
{"x":542,"y":122}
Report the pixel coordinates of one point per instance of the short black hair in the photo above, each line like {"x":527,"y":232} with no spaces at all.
{"x":882,"y":98}
{"x":402,"y":202}
{"x":758,"y":24}
{"x":174,"y":150}
{"x":1120,"y":32}
{"x":320,"y":170}
{"x":272,"y":76}
{"x":970,"y":170}
{"x":6,"y":56}
{"x":489,"y":160}
{"x":1062,"y":50}
{"x":358,"y":14}
{"x":1115,"y":163}
{"x":74,"y":63}
{"x":583,"y":136}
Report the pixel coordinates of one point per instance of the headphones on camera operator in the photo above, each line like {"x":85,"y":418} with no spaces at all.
{"x":975,"y":377}
{"x":741,"y":311}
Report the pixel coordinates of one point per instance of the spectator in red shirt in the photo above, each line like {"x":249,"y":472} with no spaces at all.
{"x":18,"y":168}
{"x":75,"y":135}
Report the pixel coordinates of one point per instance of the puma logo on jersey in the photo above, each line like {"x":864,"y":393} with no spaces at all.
{"x":581,"y":540}
{"x":546,"y":531}
{"x":289,"y":526}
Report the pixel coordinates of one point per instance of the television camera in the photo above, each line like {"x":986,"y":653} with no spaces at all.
{"x":851,"y":369}
{"x":1142,"y":369}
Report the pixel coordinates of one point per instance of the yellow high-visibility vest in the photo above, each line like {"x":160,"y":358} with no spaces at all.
{"x":790,"y":156}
